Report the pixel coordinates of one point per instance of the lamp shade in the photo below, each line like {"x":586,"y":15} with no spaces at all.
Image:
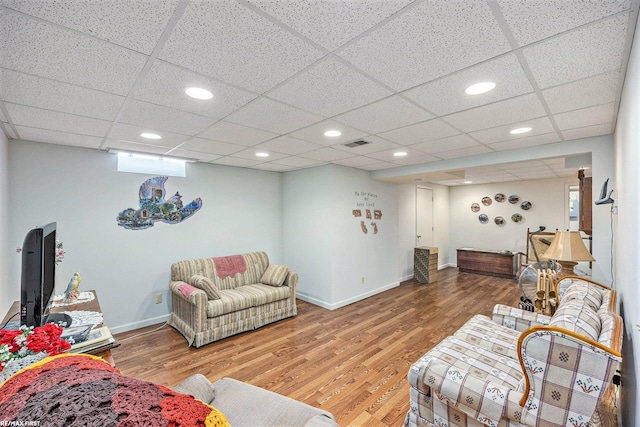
{"x":568,"y":246}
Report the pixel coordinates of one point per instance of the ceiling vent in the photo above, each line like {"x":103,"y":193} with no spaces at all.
{"x":356,"y":144}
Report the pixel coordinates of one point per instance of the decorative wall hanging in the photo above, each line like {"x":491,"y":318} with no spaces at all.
{"x":499,"y":220}
{"x":154,"y":207}
{"x":513,"y":199}
{"x":525,"y":205}
{"x":516,"y":217}
{"x":499,"y":197}
{"x":486,"y":201}
{"x":483,"y":219}
{"x":475,"y":207}
{"x":367,"y":200}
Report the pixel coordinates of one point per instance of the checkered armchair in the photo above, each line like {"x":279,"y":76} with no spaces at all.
{"x":497,"y":372}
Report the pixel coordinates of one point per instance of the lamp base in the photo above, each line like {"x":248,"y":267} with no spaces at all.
{"x":567,"y":269}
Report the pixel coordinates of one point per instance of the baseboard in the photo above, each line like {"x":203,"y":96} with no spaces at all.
{"x":137,"y":325}
{"x":360,"y":297}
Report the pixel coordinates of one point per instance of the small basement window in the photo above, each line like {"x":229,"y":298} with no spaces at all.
{"x":151,"y":165}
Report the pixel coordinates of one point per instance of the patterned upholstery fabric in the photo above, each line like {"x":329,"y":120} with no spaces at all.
{"x":490,"y":373}
{"x":244,"y":303}
{"x":204,"y":283}
{"x":274,"y":275}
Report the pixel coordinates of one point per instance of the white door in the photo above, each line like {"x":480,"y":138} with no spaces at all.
{"x":424,"y":217}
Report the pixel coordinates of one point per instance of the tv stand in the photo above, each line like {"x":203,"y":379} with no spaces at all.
{"x":61,"y":319}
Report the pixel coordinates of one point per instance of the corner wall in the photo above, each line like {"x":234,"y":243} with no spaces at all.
{"x":5,"y":246}
{"x":81,"y":190}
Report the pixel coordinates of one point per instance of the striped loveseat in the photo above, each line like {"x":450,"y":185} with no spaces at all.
{"x":523,"y":369}
{"x":213,"y":298}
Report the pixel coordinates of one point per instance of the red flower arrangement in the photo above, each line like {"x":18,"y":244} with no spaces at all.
{"x":19,"y":343}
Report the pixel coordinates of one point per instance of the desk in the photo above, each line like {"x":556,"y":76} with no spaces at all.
{"x":491,"y":263}
{"x":93,"y":305}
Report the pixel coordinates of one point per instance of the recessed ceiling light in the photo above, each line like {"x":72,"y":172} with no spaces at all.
{"x":400,"y":153}
{"x":150,"y":135}
{"x":520,"y":130}
{"x":332,"y":133}
{"x":198,"y":93}
{"x":479,"y":88}
{"x":262,"y":154}
{"x":468,"y":182}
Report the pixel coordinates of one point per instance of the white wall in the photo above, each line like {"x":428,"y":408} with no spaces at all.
{"x":81,"y":190}
{"x":627,"y":230}
{"x":5,"y":247}
{"x":325,"y":243}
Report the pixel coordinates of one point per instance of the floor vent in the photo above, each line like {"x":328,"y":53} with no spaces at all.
{"x":356,"y":144}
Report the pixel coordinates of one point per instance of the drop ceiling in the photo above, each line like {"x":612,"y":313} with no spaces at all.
{"x":392,"y":73}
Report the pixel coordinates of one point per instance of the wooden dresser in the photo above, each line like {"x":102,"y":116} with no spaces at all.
{"x":491,"y":263}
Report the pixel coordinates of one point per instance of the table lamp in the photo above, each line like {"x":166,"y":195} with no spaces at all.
{"x":568,"y":249}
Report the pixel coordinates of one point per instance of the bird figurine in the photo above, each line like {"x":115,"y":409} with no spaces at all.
{"x":72,"y":292}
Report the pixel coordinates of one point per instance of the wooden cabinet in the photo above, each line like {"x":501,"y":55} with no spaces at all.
{"x":491,"y":263}
{"x":585,"y":203}
{"x":425,"y":264}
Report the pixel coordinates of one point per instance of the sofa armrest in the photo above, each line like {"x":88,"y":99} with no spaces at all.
{"x":516,"y":318}
{"x":188,"y":309}
{"x":563,"y":366}
{"x":198,"y":386}
{"x":291,"y":281}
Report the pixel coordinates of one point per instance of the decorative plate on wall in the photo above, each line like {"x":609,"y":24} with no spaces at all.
{"x":513,"y":199}
{"x":499,"y":197}
{"x":525,"y":205}
{"x":499,"y":220}
{"x":486,"y":201}
{"x":475,"y":207}
{"x":483,"y":219}
{"x":516,"y":217}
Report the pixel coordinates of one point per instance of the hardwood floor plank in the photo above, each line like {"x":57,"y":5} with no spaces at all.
{"x":352,"y":362}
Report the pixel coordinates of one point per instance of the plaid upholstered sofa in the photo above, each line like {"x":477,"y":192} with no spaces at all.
{"x":520,"y":368}
{"x":213,"y":298}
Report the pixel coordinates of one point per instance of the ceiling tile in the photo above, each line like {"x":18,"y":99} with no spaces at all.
{"x":272,"y":116}
{"x":586,"y":117}
{"x":387,"y":114}
{"x":3,"y":118}
{"x":356,"y":162}
{"x":230,"y":42}
{"x":328,"y":88}
{"x":378,"y":166}
{"x":236,"y":134}
{"x":132,"y":24}
{"x":530,"y":141}
{"x":53,"y":120}
{"x":299,"y":162}
{"x":288,"y":145}
{"x":326,"y":154}
{"x":274,"y":167}
{"x":463,"y":152}
{"x":45,"y":50}
{"x":387,"y":155}
{"x":414,"y":159}
{"x":212,"y":147}
{"x":420,"y":132}
{"x":446,"y":95}
{"x":134,"y":147}
{"x":8,"y":131}
{"x":589,"y":51}
{"x":236,"y":162}
{"x":588,"y":131}
{"x":446,"y":144}
{"x":250,"y":154}
{"x":417,"y":46}
{"x":25,"y":89}
{"x":55,"y":137}
{"x":165,"y":84}
{"x":375,"y":145}
{"x":535,"y":20}
{"x":583,"y":93}
{"x":330,"y":23}
{"x":315,"y":133}
{"x":130,"y":133}
{"x":538,"y":126}
{"x":196,"y":155}
{"x":157,"y":117}
{"x":512,"y":110}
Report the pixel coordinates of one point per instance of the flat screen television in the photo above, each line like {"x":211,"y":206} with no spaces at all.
{"x":38,"y":274}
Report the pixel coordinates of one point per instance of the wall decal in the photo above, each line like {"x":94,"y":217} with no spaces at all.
{"x":154,"y":207}
{"x":366,"y":200}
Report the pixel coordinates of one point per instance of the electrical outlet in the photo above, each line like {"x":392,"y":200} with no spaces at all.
{"x":362,"y":280}
{"x":159,"y":298}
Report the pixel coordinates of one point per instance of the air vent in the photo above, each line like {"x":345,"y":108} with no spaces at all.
{"x":356,"y":144}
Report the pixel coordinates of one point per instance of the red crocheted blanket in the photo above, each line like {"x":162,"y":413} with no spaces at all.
{"x":82,"y":390}
{"x":229,"y":265}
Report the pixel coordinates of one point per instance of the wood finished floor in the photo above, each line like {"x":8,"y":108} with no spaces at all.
{"x":352,"y":361}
